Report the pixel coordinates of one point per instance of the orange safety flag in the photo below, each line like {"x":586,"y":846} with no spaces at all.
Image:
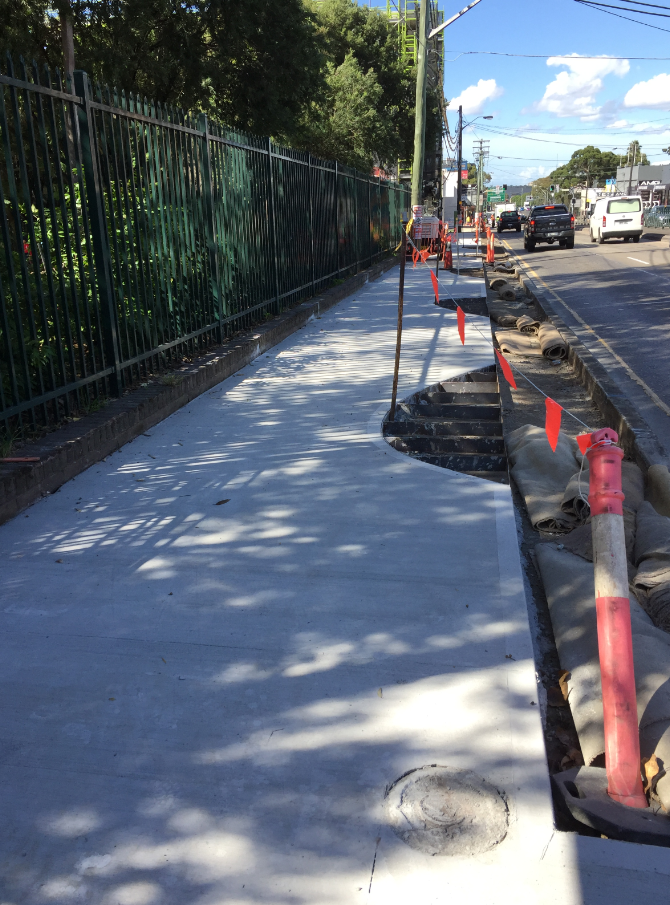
{"x":436,"y":288}
{"x":460,"y":317}
{"x":425,"y":254}
{"x":552,"y":423}
{"x":415,"y":256}
{"x":583,"y":442}
{"x":506,"y":369}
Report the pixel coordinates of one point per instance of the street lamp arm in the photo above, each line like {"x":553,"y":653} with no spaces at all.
{"x":441,"y":27}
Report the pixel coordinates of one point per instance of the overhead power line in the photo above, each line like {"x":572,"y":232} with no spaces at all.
{"x":619,"y":16}
{"x":640,"y":12}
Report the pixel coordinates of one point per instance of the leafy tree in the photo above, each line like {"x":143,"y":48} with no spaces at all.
{"x":472,"y":175}
{"x":635,"y":154}
{"x":252,"y":66}
{"x":366,"y":113}
{"x":587,"y":164}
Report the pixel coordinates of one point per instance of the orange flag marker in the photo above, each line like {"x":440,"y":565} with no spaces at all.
{"x":460,"y":316}
{"x":506,"y":369}
{"x":552,"y":423}
{"x":583,"y":442}
{"x":436,"y":288}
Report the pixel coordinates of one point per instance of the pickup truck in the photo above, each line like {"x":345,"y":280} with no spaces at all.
{"x":549,"y":223}
{"x":509,"y":220}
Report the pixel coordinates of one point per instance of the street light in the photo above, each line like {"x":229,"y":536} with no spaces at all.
{"x":459,"y":184}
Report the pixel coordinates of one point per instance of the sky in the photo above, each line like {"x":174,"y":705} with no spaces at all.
{"x":546,"y":108}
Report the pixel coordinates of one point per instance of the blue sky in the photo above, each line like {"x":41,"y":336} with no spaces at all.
{"x":549,"y":107}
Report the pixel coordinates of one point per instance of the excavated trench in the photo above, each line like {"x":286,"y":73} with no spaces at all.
{"x":455,"y":424}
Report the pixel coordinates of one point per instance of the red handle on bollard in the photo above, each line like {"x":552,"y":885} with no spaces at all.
{"x":615,"y":640}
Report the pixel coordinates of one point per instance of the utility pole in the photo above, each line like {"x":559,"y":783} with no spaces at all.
{"x":420,"y":108}
{"x":481,"y":152}
{"x":459,"y":182}
{"x":630,"y":171}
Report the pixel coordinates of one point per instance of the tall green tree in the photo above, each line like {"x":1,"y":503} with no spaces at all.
{"x":365,"y":116}
{"x":255,"y":66}
{"x":636,"y":154}
{"x":587,"y":164}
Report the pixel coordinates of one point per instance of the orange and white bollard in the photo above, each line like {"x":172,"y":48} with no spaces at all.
{"x":615,"y":640}
{"x":448,"y":257}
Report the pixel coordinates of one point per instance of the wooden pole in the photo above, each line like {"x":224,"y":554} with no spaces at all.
{"x":401,"y":291}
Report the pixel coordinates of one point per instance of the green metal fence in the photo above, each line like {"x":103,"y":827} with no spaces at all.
{"x":134,"y":234}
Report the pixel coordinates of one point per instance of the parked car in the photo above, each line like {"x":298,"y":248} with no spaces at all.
{"x":617,"y":218}
{"x":549,"y":223}
{"x":509,"y":220}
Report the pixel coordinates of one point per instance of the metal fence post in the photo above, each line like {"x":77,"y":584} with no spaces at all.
{"x":311,"y":222}
{"x":210,"y":226}
{"x":102,"y":258}
{"x":273,"y":224}
{"x":337,"y":218}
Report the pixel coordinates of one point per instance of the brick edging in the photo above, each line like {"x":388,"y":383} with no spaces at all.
{"x":636,"y":437}
{"x":70,"y":450}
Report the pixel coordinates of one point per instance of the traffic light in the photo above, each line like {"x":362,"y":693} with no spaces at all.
{"x":505,"y":188}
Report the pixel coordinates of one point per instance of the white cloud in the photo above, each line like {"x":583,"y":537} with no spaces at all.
{"x":654,"y":93}
{"x":475,"y":96}
{"x":573,"y":91}
{"x":619,"y":124}
{"x":533,"y":172}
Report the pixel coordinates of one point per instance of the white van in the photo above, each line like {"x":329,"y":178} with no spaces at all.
{"x":617,"y":218}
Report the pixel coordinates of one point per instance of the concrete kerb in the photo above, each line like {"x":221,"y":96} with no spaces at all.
{"x":636,"y":437}
{"x":72,"y":449}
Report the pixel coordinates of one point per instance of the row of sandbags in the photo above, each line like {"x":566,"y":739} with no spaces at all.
{"x":536,"y":339}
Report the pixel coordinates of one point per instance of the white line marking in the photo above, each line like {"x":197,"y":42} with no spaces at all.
{"x":648,"y":263}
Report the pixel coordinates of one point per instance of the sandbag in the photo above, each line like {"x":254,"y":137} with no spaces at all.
{"x":497,"y":282}
{"x":507,"y":292}
{"x":543,"y":475}
{"x":527,"y":324}
{"x":632,"y":484}
{"x":658,"y":488}
{"x":653,"y":535}
{"x":657,"y":604}
{"x":574,"y":502}
{"x":552,"y":344}
{"x":512,"y":342}
{"x":504,"y":320}
{"x":568,"y":584}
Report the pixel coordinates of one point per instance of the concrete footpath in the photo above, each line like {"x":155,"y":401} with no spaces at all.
{"x":225,"y":642}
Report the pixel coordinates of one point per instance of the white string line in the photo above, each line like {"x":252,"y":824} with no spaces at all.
{"x":490,"y":343}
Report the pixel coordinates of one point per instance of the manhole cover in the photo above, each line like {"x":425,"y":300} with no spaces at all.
{"x":446,"y":811}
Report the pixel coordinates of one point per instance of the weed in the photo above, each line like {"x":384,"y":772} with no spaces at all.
{"x":171,"y":380}
{"x":7,"y":442}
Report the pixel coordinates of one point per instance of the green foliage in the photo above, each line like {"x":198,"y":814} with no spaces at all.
{"x":251,"y":66}
{"x":365,"y":113}
{"x":636,"y":155}
{"x":589,"y":163}
{"x":323,"y":76}
{"x":472,"y":175}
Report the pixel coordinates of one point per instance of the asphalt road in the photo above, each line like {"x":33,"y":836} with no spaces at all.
{"x":616,"y":297}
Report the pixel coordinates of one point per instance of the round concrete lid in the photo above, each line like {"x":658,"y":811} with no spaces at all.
{"x":446,"y":811}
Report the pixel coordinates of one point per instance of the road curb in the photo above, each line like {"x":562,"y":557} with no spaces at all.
{"x":636,"y":437}
{"x":68,"y":451}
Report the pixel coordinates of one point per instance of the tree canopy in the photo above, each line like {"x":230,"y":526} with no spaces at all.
{"x":589,"y":163}
{"x":322,"y":76}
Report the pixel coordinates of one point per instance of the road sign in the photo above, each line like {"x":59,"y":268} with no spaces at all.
{"x":492,"y":196}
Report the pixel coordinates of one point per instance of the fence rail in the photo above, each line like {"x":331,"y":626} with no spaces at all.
{"x":133,"y":234}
